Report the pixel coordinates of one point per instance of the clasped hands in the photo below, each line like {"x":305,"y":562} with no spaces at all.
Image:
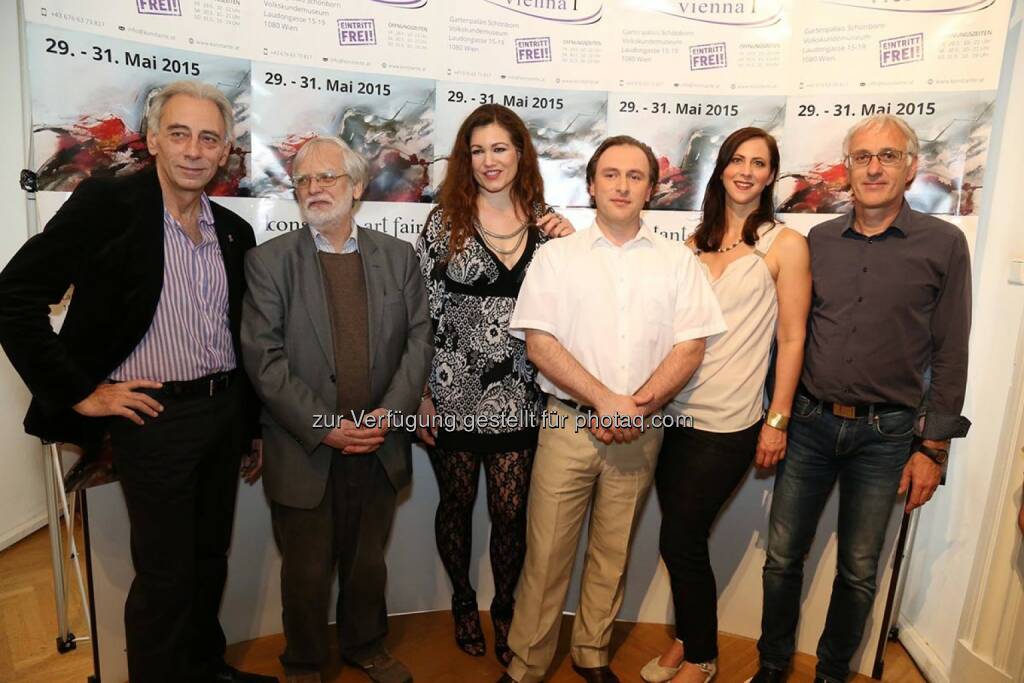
{"x":620,"y":410}
{"x":353,"y":440}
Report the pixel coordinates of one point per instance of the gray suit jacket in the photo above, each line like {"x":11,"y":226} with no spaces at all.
{"x":288,"y":353}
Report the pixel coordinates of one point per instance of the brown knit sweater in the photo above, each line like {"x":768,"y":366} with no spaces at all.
{"x":346,"y":301}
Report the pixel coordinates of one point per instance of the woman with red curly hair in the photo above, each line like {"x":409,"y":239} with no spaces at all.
{"x":482,"y":405}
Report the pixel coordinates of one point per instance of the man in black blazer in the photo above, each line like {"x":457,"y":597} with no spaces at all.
{"x":147,"y":357}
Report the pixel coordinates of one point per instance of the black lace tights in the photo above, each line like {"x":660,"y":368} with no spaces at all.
{"x":508,"y":483}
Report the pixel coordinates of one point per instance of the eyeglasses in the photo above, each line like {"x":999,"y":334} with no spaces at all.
{"x":887,"y":157}
{"x":323,"y":179}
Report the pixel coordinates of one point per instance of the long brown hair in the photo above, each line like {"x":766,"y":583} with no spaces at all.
{"x":458,"y":191}
{"x":711,"y":228}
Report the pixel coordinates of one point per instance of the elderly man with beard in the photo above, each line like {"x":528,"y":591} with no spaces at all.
{"x":334,"y":329}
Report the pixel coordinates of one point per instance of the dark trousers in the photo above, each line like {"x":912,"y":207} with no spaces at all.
{"x":697,"y":472}
{"x":349,"y":527}
{"x":179,"y":473}
{"x":866,"y":455}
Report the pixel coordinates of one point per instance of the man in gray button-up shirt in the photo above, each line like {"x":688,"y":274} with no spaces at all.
{"x":883,"y":383}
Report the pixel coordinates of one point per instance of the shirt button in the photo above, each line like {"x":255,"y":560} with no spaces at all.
{"x":854,"y":329}
{"x":859,"y":299}
{"x":865,"y":269}
{"x":849,"y":360}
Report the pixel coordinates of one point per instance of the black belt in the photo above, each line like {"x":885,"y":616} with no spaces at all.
{"x":576,"y":406}
{"x":201,"y":386}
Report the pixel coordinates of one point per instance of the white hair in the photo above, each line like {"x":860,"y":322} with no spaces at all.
{"x":881,"y":121}
{"x":198,"y":90}
{"x":353,"y":163}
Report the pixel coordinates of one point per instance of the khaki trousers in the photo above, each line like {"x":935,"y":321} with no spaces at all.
{"x":570,"y":470}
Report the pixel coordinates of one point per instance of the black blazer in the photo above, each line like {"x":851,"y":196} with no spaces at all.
{"x":107,"y":241}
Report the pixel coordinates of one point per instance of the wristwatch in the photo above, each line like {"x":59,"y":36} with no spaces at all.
{"x":938,"y":455}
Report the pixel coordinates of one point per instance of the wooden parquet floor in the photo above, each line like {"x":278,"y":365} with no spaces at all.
{"x":28,"y":618}
{"x":422,"y":641}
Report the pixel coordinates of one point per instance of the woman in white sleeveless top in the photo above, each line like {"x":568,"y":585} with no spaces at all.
{"x":760,"y":272}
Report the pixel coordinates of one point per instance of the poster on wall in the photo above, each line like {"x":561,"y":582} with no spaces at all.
{"x":685,"y":133}
{"x":379,"y":36}
{"x":552,"y":43}
{"x":215,"y":26}
{"x":701,"y":47}
{"x":953,"y":128}
{"x":388,"y":119}
{"x":272,"y":217}
{"x":565,"y":127}
{"x":90,"y":97}
{"x":898,"y":45}
{"x":678,"y":75}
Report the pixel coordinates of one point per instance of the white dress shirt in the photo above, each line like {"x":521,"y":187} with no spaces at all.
{"x":618,"y":310}
{"x":323,"y":244}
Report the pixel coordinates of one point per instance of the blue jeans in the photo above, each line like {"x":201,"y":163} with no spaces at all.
{"x":867,"y":456}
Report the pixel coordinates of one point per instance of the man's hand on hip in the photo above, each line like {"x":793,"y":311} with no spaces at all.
{"x":121,"y":398}
{"x":921,"y":476}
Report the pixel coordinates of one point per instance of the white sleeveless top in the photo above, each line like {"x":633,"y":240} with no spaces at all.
{"x":726,"y":393}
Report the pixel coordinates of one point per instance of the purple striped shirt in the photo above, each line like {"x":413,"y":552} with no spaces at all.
{"x":189,"y":336}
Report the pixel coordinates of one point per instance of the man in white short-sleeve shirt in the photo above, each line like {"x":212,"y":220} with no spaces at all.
{"x":615,"y":319}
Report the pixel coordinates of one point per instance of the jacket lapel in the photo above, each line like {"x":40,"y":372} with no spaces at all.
{"x":147,"y":245}
{"x":311,"y":284}
{"x":229,"y":251}
{"x":372,"y":258}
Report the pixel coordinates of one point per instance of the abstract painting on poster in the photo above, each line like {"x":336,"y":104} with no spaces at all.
{"x":954,"y":130}
{"x":94,"y":122}
{"x":388,"y":119}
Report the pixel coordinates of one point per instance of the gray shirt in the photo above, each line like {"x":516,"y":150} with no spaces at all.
{"x":887,"y":310}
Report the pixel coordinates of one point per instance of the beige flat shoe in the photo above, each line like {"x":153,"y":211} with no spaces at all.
{"x":656,"y":673}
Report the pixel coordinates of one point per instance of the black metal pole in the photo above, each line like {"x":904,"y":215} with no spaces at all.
{"x":95,"y":678}
{"x":883,"y":636}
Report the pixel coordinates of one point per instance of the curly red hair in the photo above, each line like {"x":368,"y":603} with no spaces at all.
{"x":458,"y":192}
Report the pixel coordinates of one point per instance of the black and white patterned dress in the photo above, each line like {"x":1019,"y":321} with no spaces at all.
{"x":480,"y":372}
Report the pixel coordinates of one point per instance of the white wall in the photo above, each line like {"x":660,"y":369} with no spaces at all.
{"x":22,"y":501}
{"x":951,"y":525}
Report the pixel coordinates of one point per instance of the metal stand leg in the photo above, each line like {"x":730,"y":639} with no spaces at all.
{"x":87,"y":549}
{"x":891,"y":599}
{"x":55,"y":478}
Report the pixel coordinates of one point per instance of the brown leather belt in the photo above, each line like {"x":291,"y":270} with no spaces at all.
{"x":852,"y":412}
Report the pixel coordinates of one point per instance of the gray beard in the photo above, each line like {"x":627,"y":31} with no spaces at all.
{"x":322,"y":219}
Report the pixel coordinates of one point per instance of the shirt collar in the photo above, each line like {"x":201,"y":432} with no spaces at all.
{"x":323,"y":244}
{"x":205,"y":210}
{"x":901,"y":226}
{"x":598,"y":237}
{"x":204,"y":220}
